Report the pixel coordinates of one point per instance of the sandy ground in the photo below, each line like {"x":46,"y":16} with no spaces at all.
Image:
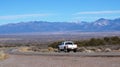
{"x":59,"y":61}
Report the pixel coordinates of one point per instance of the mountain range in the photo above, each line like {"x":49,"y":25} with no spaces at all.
{"x":100,"y":25}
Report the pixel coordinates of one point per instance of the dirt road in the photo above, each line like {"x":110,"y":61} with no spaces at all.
{"x":19,"y":59}
{"x":59,"y":61}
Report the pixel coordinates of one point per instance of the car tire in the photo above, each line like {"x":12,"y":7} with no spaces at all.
{"x":68,"y":50}
{"x":75,"y":50}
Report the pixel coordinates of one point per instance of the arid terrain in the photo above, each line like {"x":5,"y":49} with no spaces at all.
{"x":44,"y":39}
{"x":59,"y":33}
{"x":59,"y":61}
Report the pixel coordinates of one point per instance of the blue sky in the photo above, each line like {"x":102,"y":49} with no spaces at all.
{"x":14,"y":11}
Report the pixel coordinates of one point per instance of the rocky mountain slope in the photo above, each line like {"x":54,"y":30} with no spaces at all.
{"x":100,"y":25}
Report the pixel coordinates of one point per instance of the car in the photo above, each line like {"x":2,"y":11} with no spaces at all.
{"x":67,"y":46}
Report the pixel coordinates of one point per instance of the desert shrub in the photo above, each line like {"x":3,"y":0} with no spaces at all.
{"x":24,"y":49}
{"x":82,"y":43}
{"x":115,"y":40}
{"x":44,"y":50}
{"x":35,"y":48}
{"x":92,"y":42}
{"x":100,"y":41}
{"x":112,"y":40}
{"x":50,"y":49}
{"x":3,"y":56}
{"x":96,"y":42}
{"x":106,"y":39}
{"x":54,"y":44}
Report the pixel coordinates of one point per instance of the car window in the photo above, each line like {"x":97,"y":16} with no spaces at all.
{"x":68,"y":43}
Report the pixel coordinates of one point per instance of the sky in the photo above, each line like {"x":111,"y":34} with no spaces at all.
{"x":14,"y":11}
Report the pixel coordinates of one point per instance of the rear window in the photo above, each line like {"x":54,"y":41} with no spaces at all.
{"x":68,"y":43}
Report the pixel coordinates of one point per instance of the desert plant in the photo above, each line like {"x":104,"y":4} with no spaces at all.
{"x":3,"y":56}
{"x":24,"y":49}
{"x":115,"y":40}
{"x":96,"y":42}
{"x":54,"y":44}
{"x":50,"y":49}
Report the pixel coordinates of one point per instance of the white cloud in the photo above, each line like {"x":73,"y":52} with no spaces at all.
{"x":12,"y":17}
{"x":99,"y":12}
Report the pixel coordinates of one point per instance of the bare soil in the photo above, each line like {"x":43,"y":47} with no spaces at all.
{"x":59,"y":61}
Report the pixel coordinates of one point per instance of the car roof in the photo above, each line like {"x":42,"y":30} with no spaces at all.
{"x":68,"y":41}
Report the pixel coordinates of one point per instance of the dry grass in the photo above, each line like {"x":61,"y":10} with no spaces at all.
{"x":44,"y":50}
{"x":24,"y":49}
{"x":29,"y":49}
{"x":50,"y":49}
{"x":3,"y":56}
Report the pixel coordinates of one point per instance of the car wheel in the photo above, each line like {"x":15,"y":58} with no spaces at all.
{"x":75,"y":50}
{"x":68,"y":50}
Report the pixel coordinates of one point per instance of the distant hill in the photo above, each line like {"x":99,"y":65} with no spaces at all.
{"x":100,"y":25}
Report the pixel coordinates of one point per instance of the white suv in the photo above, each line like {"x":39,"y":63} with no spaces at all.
{"x":67,"y":46}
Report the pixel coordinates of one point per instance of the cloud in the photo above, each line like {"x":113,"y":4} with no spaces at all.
{"x":99,"y":12}
{"x":12,"y":17}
